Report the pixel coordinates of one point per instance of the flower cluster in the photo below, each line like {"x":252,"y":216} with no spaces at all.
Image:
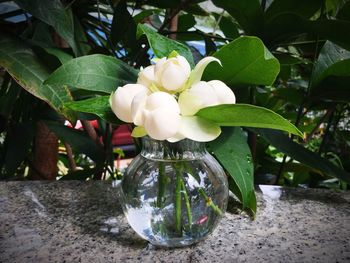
{"x":166,"y":97}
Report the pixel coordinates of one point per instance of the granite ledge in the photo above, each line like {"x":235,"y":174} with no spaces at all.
{"x":82,"y":222}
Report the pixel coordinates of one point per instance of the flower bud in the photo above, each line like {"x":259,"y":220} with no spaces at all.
{"x":204,"y":94}
{"x":161,"y":123}
{"x":120,"y":101}
{"x":146,"y":76}
{"x":224,"y":94}
{"x":172,"y":74}
{"x":161,"y":115}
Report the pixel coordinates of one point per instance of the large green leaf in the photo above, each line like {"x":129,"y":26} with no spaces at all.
{"x":94,"y":72}
{"x":98,"y":106}
{"x":248,"y":116}
{"x":24,"y":66}
{"x":287,"y":25}
{"x":79,"y":141}
{"x":232,"y":150}
{"x":303,"y":155}
{"x":244,"y":61}
{"x":17,"y":143}
{"x":332,"y":61}
{"x":248,"y":13}
{"x":54,"y":14}
{"x":301,"y":7}
{"x":163,"y":46}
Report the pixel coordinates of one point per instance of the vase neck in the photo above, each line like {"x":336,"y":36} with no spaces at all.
{"x":163,"y":150}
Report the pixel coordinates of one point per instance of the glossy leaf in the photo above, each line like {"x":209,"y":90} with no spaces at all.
{"x":287,"y":25}
{"x":332,"y":61}
{"x":60,"y":54}
{"x":303,"y":155}
{"x":18,"y":142}
{"x":24,"y":66}
{"x":94,"y":72}
{"x":301,"y":7}
{"x":247,"y":13}
{"x":232,"y":151}
{"x":244,"y":61}
{"x":79,"y":140}
{"x":98,"y":106}
{"x":80,"y":174}
{"x":163,"y":46}
{"x":248,"y":116}
{"x":54,"y":14}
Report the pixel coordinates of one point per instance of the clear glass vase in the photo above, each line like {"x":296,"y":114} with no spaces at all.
{"x":174,"y":194}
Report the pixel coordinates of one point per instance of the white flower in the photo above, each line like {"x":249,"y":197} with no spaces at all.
{"x":173,"y":73}
{"x":120,"y":101}
{"x":146,"y":76}
{"x":161,"y":115}
{"x":204,"y":94}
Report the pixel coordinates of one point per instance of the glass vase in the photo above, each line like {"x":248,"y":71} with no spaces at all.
{"x":174,"y":194}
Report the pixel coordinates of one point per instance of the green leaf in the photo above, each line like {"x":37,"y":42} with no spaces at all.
{"x":228,"y":27}
{"x":248,"y":116}
{"x":79,"y":141}
{"x":303,"y":155}
{"x":232,"y":151}
{"x":163,"y":46}
{"x":80,"y":174}
{"x":60,"y":54}
{"x":54,"y":14}
{"x":94,"y":72}
{"x":332,"y":61}
{"x":244,"y":61}
{"x":186,"y":22}
{"x":98,"y":106}
{"x":24,"y":66}
{"x":331,"y":74}
{"x":289,"y":25}
{"x":247,"y":13}
{"x":301,"y":7}
{"x":18,"y":142}
{"x":123,"y":26}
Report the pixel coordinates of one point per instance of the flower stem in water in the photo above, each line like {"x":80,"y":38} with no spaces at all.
{"x":209,"y":201}
{"x":178,"y":200}
{"x":187,"y":203}
{"x":161,"y":184}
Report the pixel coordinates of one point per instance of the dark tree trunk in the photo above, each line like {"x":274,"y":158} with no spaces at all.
{"x":44,"y":165}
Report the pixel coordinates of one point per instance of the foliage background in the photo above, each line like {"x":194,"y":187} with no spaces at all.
{"x":61,"y":59}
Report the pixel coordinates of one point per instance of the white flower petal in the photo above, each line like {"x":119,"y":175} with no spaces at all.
{"x":121,"y":99}
{"x":177,"y":137}
{"x":162,"y":123}
{"x":146,"y":76}
{"x":173,"y":77}
{"x":161,"y":99}
{"x":224,"y":94}
{"x":183,"y":63}
{"x":189,"y":103}
{"x":198,"y":129}
{"x":198,"y":70}
{"x":137,"y":105}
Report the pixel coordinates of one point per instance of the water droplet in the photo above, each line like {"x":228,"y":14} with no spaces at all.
{"x":249,"y":158}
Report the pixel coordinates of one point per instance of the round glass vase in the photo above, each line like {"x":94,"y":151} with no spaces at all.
{"x":174,"y":194}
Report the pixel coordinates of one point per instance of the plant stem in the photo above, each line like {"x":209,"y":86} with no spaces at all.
{"x":161,"y":185}
{"x":187,"y":202}
{"x":210,"y":202}
{"x":178,"y":201}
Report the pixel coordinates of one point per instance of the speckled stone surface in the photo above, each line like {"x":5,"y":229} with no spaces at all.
{"x":83,"y":222}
